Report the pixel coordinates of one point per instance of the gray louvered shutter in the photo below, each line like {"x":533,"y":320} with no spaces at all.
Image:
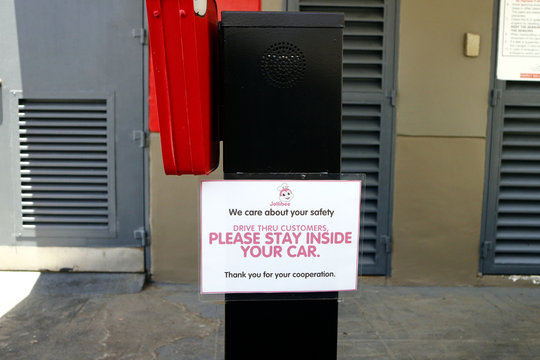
{"x":368,"y":113}
{"x":511,"y":239}
{"x":66,"y":151}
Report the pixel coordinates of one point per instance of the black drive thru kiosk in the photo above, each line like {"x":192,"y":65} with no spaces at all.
{"x":281,"y":119}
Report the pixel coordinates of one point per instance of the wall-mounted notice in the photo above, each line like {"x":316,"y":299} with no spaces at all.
{"x":519,"y":40}
{"x":279,"y":236}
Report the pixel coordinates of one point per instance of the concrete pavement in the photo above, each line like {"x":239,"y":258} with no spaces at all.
{"x":100,"y":316}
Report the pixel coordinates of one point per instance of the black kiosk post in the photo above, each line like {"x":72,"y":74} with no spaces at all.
{"x":281,"y":119}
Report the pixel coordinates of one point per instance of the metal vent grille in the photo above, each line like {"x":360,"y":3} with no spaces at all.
{"x":522,"y":85}
{"x":361,"y":152}
{"x":283,"y":65}
{"x":64,"y":164}
{"x":363,"y":42}
{"x":518,"y":213}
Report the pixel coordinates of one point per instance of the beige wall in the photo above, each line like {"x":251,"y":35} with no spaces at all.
{"x":440,"y":147}
{"x":174,"y":219}
{"x":437,"y":210}
{"x":272,"y":5}
{"x":441,"y":92}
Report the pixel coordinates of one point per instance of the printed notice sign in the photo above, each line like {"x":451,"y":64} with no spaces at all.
{"x":279,"y":236}
{"x":519,"y":40}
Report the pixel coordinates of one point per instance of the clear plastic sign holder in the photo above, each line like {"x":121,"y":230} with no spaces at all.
{"x":290,"y":294}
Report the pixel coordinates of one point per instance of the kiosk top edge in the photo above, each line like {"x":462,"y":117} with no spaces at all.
{"x":281,"y":19}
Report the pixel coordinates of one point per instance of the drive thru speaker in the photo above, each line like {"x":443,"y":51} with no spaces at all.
{"x":280,"y":109}
{"x":281,"y":92}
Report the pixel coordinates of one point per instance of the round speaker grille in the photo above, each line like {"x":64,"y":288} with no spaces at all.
{"x":283,"y":65}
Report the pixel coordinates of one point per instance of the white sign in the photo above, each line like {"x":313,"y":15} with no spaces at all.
{"x":279,"y":236}
{"x":519,"y":40}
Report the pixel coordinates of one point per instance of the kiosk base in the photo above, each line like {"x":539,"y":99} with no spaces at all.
{"x":281,"y":326}
{"x":281,"y":329}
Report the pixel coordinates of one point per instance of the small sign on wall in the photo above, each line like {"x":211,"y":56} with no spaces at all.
{"x":264,"y":236}
{"x":518,"y":55}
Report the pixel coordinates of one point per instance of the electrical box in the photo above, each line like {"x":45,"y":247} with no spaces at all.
{"x":281,"y":92}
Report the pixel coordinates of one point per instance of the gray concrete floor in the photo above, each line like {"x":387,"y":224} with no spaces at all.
{"x":76,"y":316}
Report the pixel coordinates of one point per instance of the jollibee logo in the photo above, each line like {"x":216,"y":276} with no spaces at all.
{"x":285,"y":194}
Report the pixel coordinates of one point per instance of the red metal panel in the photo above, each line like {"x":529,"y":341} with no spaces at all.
{"x":238,"y":5}
{"x":183,"y":54}
{"x":152,"y":103}
{"x":222,"y":5}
